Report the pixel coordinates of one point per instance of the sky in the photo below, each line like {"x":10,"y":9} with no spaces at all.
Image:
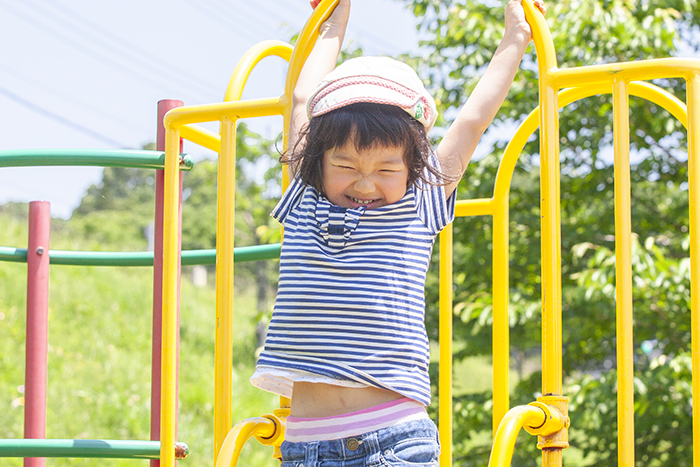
{"x":89,"y":74}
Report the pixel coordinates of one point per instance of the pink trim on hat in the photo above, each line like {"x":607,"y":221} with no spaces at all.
{"x":371,"y":80}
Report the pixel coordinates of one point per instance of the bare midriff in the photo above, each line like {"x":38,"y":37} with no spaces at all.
{"x":318,"y":400}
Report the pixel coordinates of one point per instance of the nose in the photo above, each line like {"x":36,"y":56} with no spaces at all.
{"x":364,"y":185}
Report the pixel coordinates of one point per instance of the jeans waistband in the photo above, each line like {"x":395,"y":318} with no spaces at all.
{"x":367,"y":445}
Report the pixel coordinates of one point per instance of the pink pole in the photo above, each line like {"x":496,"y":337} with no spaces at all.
{"x":36,"y":362}
{"x":163,"y":107}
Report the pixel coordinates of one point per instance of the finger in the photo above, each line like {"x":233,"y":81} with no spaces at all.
{"x":540,"y":6}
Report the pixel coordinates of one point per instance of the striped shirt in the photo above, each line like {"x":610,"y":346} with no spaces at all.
{"x":351,"y":299}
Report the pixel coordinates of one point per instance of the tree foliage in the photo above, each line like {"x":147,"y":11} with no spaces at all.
{"x":458,"y":41}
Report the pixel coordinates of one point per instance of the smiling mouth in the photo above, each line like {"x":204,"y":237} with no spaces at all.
{"x":362,"y":201}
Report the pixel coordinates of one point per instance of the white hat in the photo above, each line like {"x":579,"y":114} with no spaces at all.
{"x":379,"y":80}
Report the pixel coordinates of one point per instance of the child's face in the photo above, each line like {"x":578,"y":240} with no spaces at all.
{"x":372,"y":178}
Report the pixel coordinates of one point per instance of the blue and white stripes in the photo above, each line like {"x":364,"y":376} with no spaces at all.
{"x":351,"y":299}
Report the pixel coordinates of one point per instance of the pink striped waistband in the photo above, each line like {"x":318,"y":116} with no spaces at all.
{"x":392,"y":413}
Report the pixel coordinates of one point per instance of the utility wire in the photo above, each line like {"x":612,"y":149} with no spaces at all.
{"x":72,"y":99}
{"x":62,"y":120}
{"x":119,"y":42}
{"x":147,"y":80}
{"x":380,"y":43}
{"x":205,"y":8}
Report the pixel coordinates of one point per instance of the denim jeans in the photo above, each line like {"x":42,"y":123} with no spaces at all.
{"x":413,"y":443}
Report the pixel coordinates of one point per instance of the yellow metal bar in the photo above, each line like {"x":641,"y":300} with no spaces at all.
{"x":474,"y":207}
{"x":168,"y":414}
{"x":514,"y":420}
{"x":498,"y":205}
{"x":250,"y":59}
{"x":235,"y":110}
{"x":552,"y":457}
{"x":551,"y":241}
{"x":239,"y":435}
{"x":662,"y":98}
{"x":642,"y":70}
{"x":644,"y":90}
{"x":623,"y":274}
{"x":549,"y":181}
{"x":225,"y":211}
{"x":546,"y":54}
{"x":445,"y":377}
{"x":693,"y":91}
{"x":201,"y":136}
{"x":305,"y":43}
{"x":501,"y":328}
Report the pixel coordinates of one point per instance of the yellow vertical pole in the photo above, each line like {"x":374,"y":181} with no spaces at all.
{"x":623,"y":274}
{"x":693,"y":91}
{"x":551,"y":253}
{"x":551,"y":241}
{"x":501,"y":329}
{"x":225,"y":210}
{"x":168,"y":414}
{"x":445,"y":325}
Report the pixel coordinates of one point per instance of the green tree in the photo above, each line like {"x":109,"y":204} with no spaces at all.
{"x":115,"y":213}
{"x":459,"y":39}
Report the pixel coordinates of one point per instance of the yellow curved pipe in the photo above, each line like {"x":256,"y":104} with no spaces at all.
{"x":504,"y":443}
{"x":546,"y":54}
{"x":228,"y":113}
{"x":247,"y":63}
{"x":305,"y":42}
{"x":647,"y":91}
{"x":498,"y":207}
{"x":239,"y":435}
{"x":223,"y":357}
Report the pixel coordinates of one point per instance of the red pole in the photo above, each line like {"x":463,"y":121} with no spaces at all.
{"x":36,"y":362}
{"x":163,"y":107}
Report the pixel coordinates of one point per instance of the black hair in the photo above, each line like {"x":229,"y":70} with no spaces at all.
{"x":368,"y":125}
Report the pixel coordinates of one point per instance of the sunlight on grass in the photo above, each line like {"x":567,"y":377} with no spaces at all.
{"x":100,"y":358}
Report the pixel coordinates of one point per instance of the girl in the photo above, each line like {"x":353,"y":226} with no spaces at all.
{"x":347,"y":339}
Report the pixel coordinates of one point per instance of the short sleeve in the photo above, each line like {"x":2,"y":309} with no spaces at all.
{"x":433,"y":209}
{"x":289,"y":200}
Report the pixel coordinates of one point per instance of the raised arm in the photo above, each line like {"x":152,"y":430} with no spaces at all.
{"x":321,"y":61}
{"x":461,"y":139}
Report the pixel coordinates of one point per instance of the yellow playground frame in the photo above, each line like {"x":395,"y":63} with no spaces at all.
{"x":548,"y":416}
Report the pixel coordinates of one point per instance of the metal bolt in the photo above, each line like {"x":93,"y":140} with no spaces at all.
{"x":40,"y":250}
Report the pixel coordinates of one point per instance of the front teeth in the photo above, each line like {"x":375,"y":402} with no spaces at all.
{"x":360,"y":201}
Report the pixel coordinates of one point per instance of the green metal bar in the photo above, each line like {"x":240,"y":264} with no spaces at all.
{"x":86,"y":448}
{"x":141,"y":159}
{"x":140,"y":258}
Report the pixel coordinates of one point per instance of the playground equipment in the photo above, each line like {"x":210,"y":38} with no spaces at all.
{"x":547,"y":417}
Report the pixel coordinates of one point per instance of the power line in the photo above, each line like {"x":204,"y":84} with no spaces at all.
{"x":62,"y":120}
{"x":69,"y":98}
{"x":121,"y":43}
{"x":381,"y":43}
{"x":215,"y":14}
{"x":127,"y":71}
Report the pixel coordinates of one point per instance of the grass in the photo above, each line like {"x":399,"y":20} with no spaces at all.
{"x":100,"y":351}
